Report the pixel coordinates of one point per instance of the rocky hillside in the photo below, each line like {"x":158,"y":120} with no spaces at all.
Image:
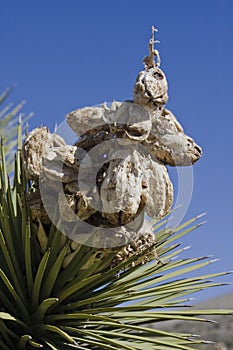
{"x":220,"y":332}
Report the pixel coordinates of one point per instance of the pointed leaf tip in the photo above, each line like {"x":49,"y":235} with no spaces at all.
{"x":187,"y":248}
{"x":201,"y":215}
{"x":214,"y":260}
{"x":201,"y":223}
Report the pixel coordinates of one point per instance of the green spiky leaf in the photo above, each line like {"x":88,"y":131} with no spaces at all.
{"x":11,"y":118}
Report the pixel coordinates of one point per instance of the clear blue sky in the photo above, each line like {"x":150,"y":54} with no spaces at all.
{"x":67,"y":54}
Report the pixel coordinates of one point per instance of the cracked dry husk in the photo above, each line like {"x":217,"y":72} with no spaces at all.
{"x":151,"y":88}
{"x":36,"y":144}
{"x":168,"y":142}
{"x":124,"y":186}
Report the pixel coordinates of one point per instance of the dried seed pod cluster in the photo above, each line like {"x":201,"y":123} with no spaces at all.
{"x":129,"y":144}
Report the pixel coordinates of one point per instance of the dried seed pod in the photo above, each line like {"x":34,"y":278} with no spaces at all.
{"x":66,"y":154}
{"x":135,"y":119}
{"x":132,"y":183}
{"x":121,"y":119}
{"x":168,"y":142}
{"x":157,"y":188}
{"x":151,"y":88}
{"x":36,"y":144}
{"x":84,"y":119}
{"x":120,"y":190}
{"x":166,"y":123}
{"x":177,"y":150}
{"x":61,"y":164}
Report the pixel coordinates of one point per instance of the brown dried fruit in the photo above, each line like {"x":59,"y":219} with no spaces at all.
{"x":61,"y":163}
{"x":168,"y":142}
{"x":151,"y":88}
{"x":123,"y":119}
{"x":36,"y":144}
{"x":121,"y":188}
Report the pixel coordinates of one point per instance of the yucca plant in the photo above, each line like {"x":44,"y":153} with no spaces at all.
{"x":9,"y":116}
{"x":47,"y":304}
